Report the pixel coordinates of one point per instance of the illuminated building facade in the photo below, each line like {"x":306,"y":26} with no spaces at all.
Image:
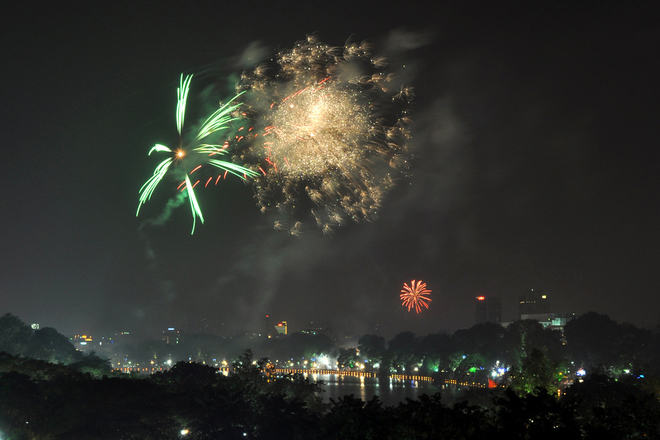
{"x":274,"y":328}
{"x":282,"y":328}
{"x":552,"y":321}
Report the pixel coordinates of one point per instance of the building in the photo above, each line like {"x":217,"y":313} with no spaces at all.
{"x":171,"y":336}
{"x":82,"y":342}
{"x":270,"y":327}
{"x":553,"y":321}
{"x":273,"y":328}
{"x":534,"y":302}
{"x":320,"y":329}
{"x":488,"y":310}
{"x":282,"y":328}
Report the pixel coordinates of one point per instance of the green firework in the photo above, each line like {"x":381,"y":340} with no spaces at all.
{"x":221,"y":119}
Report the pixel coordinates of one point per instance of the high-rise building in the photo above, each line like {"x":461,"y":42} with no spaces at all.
{"x":274,"y":328}
{"x":534,"y":302}
{"x":269,"y":327}
{"x":282,"y":328}
{"x":488,"y":310}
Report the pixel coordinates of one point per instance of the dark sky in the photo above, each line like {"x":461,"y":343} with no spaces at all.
{"x":535,"y":138}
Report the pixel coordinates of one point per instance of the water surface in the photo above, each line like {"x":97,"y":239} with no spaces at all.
{"x":390,"y":391}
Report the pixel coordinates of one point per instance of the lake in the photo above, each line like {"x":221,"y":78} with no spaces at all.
{"x":391,"y":392}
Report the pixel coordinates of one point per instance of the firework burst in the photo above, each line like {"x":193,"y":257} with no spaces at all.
{"x":185,"y":160}
{"x":330,"y":132}
{"x":415,"y":296}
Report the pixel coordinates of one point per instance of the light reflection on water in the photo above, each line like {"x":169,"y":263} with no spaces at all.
{"x":391,"y":392}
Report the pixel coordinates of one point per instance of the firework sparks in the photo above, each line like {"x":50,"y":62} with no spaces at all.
{"x":415,"y":296}
{"x":194,"y":157}
{"x":331,"y":130}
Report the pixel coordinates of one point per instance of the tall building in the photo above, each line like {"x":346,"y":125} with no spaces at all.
{"x":488,"y":310}
{"x":534,"y":302}
{"x":269,"y":327}
{"x":282,"y":328}
{"x":274,"y":328}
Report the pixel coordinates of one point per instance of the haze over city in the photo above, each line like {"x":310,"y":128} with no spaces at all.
{"x":532,"y":167}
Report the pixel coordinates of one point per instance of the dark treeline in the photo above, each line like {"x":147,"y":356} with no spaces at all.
{"x":592,"y":341}
{"x":48,"y":390}
{"x":46,"y":344}
{"x":530,"y":355}
{"x":192,"y":400}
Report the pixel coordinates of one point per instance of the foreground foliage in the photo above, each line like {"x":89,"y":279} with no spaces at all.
{"x":39,"y":400}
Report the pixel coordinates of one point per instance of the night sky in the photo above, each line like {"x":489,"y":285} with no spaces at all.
{"x":535,"y":167}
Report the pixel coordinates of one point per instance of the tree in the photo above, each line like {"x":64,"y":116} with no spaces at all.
{"x":472,"y":369}
{"x":347,"y":358}
{"x":93,"y":365}
{"x":535,"y":372}
{"x":633,"y":347}
{"x":14,"y":335}
{"x":436,"y":350}
{"x":402,"y":351}
{"x":35,"y":369}
{"x":187,"y":376}
{"x":486,"y":339}
{"x":535,"y":416}
{"x":522,"y":337}
{"x":619,"y":409}
{"x":350,"y":418}
{"x":590,"y":340}
{"x":372,"y":347}
{"x":49,"y":345}
{"x":427,"y":418}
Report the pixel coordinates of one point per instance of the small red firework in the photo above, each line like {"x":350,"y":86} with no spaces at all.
{"x":415,"y":295}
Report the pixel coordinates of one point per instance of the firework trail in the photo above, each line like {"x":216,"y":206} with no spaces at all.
{"x":415,"y":296}
{"x":329,"y":136}
{"x":185,"y":160}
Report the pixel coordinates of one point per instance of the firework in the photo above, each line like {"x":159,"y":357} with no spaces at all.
{"x":415,"y":295}
{"x":330,"y":133}
{"x":186,"y":160}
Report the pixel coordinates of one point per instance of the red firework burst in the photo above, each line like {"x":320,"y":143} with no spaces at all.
{"x":415,"y":295}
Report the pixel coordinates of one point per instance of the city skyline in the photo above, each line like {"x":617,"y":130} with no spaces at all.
{"x":531,"y":168}
{"x":486,"y":310}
